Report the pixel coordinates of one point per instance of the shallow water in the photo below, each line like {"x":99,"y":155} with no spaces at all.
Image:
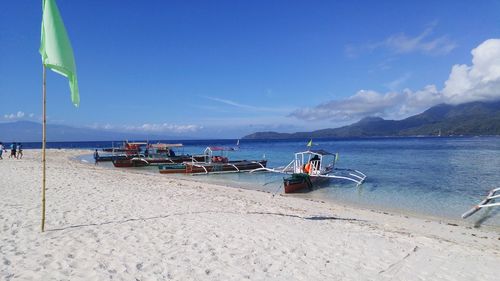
{"x":440,"y":177}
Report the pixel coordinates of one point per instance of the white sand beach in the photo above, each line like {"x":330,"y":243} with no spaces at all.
{"x":105,"y":224}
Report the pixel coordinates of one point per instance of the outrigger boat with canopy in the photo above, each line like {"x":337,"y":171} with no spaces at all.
{"x":127,"y":147}
{"x":487,"y":202}
{"x":126,"y":151}
{"x":311,"y":167}
{"x":214,"y":160}
{"x":155,"y":154}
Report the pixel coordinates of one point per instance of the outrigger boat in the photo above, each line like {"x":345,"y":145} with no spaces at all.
{"x":213,"y":163}
{"x":487,"y":202}
{"x":155,"y":154}
{"x":126,"y":151}
{"x":127,"y":147}
{"x":312,"y":167}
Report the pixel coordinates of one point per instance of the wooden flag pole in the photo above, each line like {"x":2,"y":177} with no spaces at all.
{"x":43,"y":149}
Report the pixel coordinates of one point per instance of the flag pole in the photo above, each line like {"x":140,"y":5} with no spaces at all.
{"x":43,"y":147}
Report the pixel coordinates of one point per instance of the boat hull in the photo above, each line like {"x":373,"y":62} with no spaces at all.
{"x":109,"y":158}
{"x":176,"y":168}
{"x":128,"y":162}
{"x":231,"y":166}
{"x":144,"y":161}
{"x":300,"y":182}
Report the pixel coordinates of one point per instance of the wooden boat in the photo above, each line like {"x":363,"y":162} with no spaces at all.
{"x":311,"y":167}
{"x":210,"y":163}
{"x":126,"y":151}
{"x":152,"y":161}
{"x":302,"y":182}
{"x":111,"y":157}
{"x":156,"y":154}
{"x":221,"y":167}
{"x":176,"y":168}
{"x":127,"y":147}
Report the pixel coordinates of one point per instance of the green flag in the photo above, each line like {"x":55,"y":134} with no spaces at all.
{"x":55,"y":47}
{"x":310,"y":143}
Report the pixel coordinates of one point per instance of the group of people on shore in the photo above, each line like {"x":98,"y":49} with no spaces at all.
{"x":16,"y":150}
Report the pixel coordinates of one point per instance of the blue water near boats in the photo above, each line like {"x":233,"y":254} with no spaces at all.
{"x":440,"y":176}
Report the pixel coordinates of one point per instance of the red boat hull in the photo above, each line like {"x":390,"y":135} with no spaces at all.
{"x":301,"y":182}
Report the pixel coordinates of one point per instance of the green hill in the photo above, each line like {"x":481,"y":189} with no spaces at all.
{"x":475,"y":118}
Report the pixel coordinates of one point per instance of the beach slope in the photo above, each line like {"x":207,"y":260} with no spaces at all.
{"x":129,"y":225}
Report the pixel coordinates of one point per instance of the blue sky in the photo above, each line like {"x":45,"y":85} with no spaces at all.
{"x":212,"y":69}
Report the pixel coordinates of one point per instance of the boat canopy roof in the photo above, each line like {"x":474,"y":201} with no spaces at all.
{"x":316,"y":152}
{"x":321,"y":152}
{"x":165,"y":145}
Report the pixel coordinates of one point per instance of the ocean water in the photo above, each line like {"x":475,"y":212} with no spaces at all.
{"x":441,"y":177}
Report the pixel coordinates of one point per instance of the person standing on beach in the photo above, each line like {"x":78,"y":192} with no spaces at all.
{"x":1,"y":150}
{"x":96,"y":157}
{"x":12,"y":150}
{"x":19,"y":150}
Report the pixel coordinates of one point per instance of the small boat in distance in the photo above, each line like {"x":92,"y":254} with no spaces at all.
{"x":312,"y":167}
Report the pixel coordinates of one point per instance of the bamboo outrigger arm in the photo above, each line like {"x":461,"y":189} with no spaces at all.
{"x":201,"y":166}
{"x":234,"y":166}
{"x":286,"y":170}
{"x":486,"y":203}
{"x":267,"y":170}
{"x":354,"y":176}
{"x":261,"y":166}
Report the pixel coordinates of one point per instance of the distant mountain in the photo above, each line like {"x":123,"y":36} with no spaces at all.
{"x":475,"y":118}
{"x":26,"y":131}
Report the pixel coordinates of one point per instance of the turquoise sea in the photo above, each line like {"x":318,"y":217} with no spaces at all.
{"x":440,"y":176}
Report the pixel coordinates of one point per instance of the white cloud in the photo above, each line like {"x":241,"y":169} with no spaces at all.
{"x":395,"y":84}
{"x":361,"y":104}
{"x":164,"y":128}
{"x":98,"y":126}
{"x":477,"y":82}
{"x":149,"y":128}
{"x":401,"y":43}
{"x":16,"y":116}
{"x":249,"y":107}
{"x":481,"y":80}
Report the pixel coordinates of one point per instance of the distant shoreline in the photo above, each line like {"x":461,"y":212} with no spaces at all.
{"x":102,"y":144}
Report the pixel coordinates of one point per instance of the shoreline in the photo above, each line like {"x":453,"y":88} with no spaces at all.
{"x":470,"y":222}
{"x":108,"y":223}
